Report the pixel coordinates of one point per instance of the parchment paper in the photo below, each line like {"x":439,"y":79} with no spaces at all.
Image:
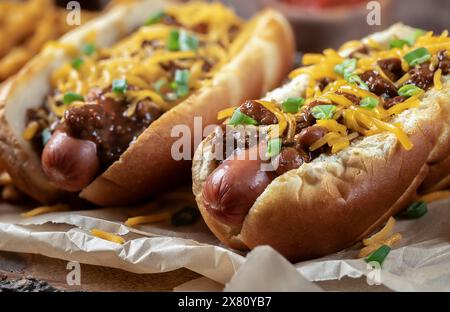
{"x":421,"y":261}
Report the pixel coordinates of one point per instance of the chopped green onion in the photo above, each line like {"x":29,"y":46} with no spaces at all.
{"x":46,"y":135}
{"x":409,"y":90}
{"x":415,"y":210}
{"x":119,"y":86}
{"x":239,"y":118}
{"x":417,"y":56}
{"x":173,"y":41}
{"x":346,"y":67}
{"x":173,"y":85}
{"x":88,"y":49}
{"x":181,"y":83}
{"x":76,"y":63}
{"x":356,"y":79}
{"x":292,"y":105}
{"x":155,"y":18}
{"x":398,"y":43}
{"x":159,"y":84}
{"x":186,"y":216}
{"x":182,"y":90}
{"x":379,"y":255}
{"x":188,"y":42}
{"x":182,"y":76}
{"x":417,"y":33}
{"x":273,"y":147}
{"x":70,"y":97}
{"x":369,"y":102}
{"x":323,"y":111}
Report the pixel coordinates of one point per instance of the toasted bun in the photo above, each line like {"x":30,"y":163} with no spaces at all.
{"x":147,"y":166}
{"x":334,"y":201}
{"x":438,"y":178}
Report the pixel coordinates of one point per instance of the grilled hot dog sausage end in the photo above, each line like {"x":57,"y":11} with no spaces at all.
{"x":232,"y":188}
{"x":70,"y":163}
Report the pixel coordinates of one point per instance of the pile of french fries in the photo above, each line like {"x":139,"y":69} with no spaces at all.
{"x":25,"y":27}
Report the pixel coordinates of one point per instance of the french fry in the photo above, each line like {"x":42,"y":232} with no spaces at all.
{"x":26,"y":26}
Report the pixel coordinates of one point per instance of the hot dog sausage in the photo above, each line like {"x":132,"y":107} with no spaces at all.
{"x":232,"y":188}
{"x":70,"y":163}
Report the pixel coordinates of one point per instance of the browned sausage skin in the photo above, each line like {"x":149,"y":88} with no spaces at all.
{"x":70,"y":163}
{"x":232,"y":188}
{"x":101,"y":132}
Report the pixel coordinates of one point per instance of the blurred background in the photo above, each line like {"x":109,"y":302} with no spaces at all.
{"x":319,"y":24}
{"x":327,"y":23}
{"x":26,"y":25}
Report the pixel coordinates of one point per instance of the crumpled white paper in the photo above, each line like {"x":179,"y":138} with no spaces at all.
{"x":420,"y":262}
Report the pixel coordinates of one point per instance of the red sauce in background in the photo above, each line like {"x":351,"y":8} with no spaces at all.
{"x":320,"y":4}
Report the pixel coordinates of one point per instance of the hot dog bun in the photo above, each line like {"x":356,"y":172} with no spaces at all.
{"x":336,"y":200}
{"x":146,"y":167}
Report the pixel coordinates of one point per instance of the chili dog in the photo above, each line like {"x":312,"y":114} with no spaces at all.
{"x":355,"y":134}
{"x":93,"y":113}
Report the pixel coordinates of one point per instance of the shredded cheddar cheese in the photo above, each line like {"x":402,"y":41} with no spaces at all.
{"x":153,"y":218}
{"x":364,"y":252}
{"x":108,"y":236}
{"x":202,"y":38}
{"x":438,"y":195}
{"x":332,"y":126}
{"x":31,"y":130}
{"x":225,"y":113}
{"x":382,"y":234}
{"x":437,"y":79}
{"x":402,"y":80}
{"x":327,"y":139}
{"x":275,"y":131}
{"x":383,"y":237}
{"x":45,"y":209}
{"x":357,"y":90}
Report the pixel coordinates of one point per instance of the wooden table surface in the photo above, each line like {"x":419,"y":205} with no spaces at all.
{"x":93,"y":278}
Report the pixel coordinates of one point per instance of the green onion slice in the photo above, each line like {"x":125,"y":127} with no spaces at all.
{"x":346,"y":67}
{"x":417,"y":33}
{"x":323,"y":111}
{"x":159,"y":84}
{"x":379,"y":255}
{"x":292,"y":105}
{"x":46,"y":135}
{"x":181,"y":83}
{"x":119,"y":86}
{"x":356,"y":79}
{"x":173,"y":40}
{"x":173,"y":85}
{"x":155,"y":18}
{"x":415,"y":210}
{"x":182,"y":90}
{"x":182,"y":76}
{"x":239,"y":118}
{"x":409,"y":90}
{"x":188,"y":42}
{"x":417,"y":56}
{"x":369,"y":102}
{"x":398,"y":43}
{"x":273,"y":147}
{"x":76,"y":63}
{"x":88,"y":49}
{"x":70,"y":97}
